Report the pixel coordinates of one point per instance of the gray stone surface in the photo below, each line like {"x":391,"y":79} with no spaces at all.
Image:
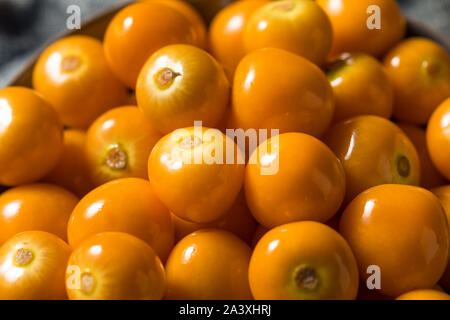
{"x":49,"y":19}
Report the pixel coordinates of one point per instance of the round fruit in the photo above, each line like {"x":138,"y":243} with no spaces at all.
{"x":351,"y":20}
{"x":419,"y":70}
{"x":238,"y":220}
{"x":226,"y":33}
{"x":140,"y":29}
{"x":303,"y":261}
{"x":192,"y":15}
{"x":438,"y":138}
{"x":276,"y":89}
{"x":114,"y":266}
{"x":360,"y":87}
{"x":181,"y":84}
{"x":424,"y":295}
{"x":209,"y":264}
{"x":430,"y":176}
{"x":123,"y":205}
{"x":32,"y":267}
{"x":118,"y":145}
{"x":301,"y":27}
{"x":31,"y":136}
{"x":443,"y":193}
{"x":402,"y":230}
{"x":72,"y":74}
{"x":373,"y":151}
{"x":293,"y":177}
{"x":71,"y":172}
{"x":197,"y":173}
{"x":36,"y":206}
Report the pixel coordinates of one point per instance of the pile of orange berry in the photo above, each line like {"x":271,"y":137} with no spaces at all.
{"x":109,"y":188}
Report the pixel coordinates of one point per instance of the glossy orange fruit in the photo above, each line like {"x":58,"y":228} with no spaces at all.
{"x":181,"y":84}
{"x":72,"y":74}
{"x":443,"y":193}
{"x":114,"y":266}
{"x":360,"y":87}
{"x":192,"y":15}
{"x":438,"y":138}
{"x":123,"y":205}
{"x":276,"y":89}
{"x":31,"y":136}
{"x":226,"y":33}
{"x":140,"y":29}
{"x":301,"y":27}
{"x":209,"y":264}
{"x":430,"y":176}
{"x":37,"y":206}
{"x":238,"y":220}
{"x":118,"y":144}
{"x":373,"y":151}
{"x":71,"y":171}
{"x":350,"y":20}
{"x":419,"y":70}
{"x":402,"y":230}
{"x":303,"y":261}
{"x":424,"y":295}
{"x":293,"y":177}
{"x":33,"y":264}
{"x":197,"y":173}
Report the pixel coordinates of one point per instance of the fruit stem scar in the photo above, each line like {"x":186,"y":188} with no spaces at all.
{"x":165,"y":77}
{"x":287,"y":6}
{"x":403,"y":166}
{"x":23,"y":257}
{"x":190,"y":142}
{"x":116,"y":158}
{"x":87,"y":282}
{"x":70,"y":63}
{"x":432,"y":68}
{"x":306,"y":278}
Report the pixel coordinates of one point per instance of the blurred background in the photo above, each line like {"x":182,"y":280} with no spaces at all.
{"x":26,"y":25}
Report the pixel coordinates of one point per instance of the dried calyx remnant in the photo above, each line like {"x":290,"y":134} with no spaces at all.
{"x":116,"y":158}
{"x":70,"y":63}
{"x":87,"y":282}
{"x":23,"y":257}
{"x":165,"y":77}
{"x":190,"y":142}
{"x":286,"y":6}
{"x":306,"y":278}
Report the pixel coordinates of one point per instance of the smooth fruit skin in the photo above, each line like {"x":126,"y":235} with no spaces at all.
{"x":350,"y":18}
{"x":281,"y":257}
{"x":33,"y":264}
{"x":73,"y":75}
{"x":191,"y":173}
{"x":373,"y":151}
{"x":118,"y":144}
{"x":192,"y":15}
{"x":301,"y":27}
{"x":140,"y":29}
{"x":114,"y":266}
{"x":180,"y":84}
{"x":209,"y":264}
{"x":71,"y":171}
{"x":37,"y":206}
{"x":443,"y":193}
{"x":124,"y":205}
{"x":238,"y":220}
{"x":419,"y":70}
{"x":31,"y":136}
{"x":401,"y":229}
{"x":438,"y":138}
{"x":306,"y":180}
{"x":430,"y":176}
{"x":424,"y":295}
{"x":276,"y":89}
{"x":360,"y":87}
{"x":226,"y":33}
